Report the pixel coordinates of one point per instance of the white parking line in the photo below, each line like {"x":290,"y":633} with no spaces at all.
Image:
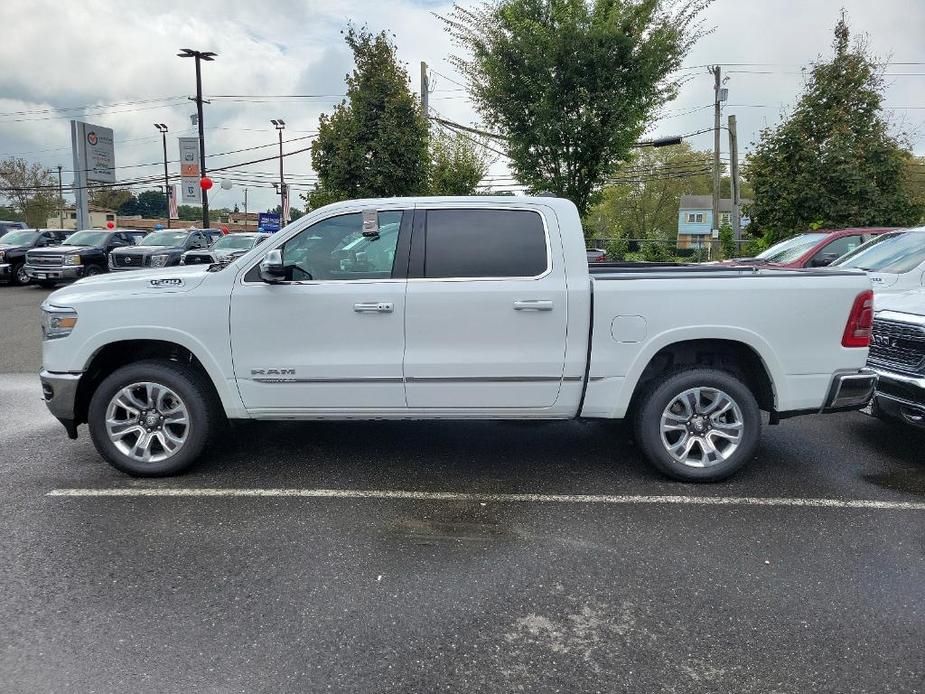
{"x":497,"y":498}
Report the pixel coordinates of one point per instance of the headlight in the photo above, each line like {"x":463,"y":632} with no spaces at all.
{"x":159,"y":260}
{"x":2,"y":256}
{"x":57,"y":322}
{"x":182,"y":260}
{"x":72,"y":260}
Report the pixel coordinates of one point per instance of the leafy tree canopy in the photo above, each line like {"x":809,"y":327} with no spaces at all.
{"x":30,"y":188}
{"x":458,"y":163}
{"x":374,"y":144}
{"x":572,"y":84}
{"x":833,"y":162}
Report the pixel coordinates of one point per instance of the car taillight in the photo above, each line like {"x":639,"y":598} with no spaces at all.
{"x":860,"y":321}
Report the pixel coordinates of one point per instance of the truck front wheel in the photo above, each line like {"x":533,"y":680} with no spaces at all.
{"x":699,"y":425}
{"x":152,"y":418}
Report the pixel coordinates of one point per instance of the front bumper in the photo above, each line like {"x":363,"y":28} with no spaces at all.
{"x":59,"y":391}
{"x":59,"y":272}
{"x":901,"y":396}
{"x":850,"y":390}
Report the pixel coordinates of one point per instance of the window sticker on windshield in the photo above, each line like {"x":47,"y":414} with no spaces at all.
{"x":370,"y":223}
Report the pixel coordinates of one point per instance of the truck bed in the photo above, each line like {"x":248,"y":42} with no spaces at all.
{"x":608,"y":271}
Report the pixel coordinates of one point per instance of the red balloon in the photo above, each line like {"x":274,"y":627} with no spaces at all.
{"x":224,"y":230}
{"x":110,"y":225}
{"x":205,"y":183}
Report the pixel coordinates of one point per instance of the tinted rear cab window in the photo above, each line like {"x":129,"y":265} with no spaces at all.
{"x":484,"y":243}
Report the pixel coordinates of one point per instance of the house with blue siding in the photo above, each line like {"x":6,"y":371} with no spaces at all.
{"x":695,"y":219}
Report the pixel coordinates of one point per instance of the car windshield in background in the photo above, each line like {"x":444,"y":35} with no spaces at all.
{"x":19,"y":238}
{"x":890,"y":253}
{"x":791,"y":249}
{"x":87,"y":238}
{"x":164,"y":238}
{"x":232,"y":241}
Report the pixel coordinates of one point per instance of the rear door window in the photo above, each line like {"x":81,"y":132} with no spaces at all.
{"x":484,"y":243}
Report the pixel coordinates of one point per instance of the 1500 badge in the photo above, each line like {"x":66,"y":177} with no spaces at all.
{"x":170,"y":282}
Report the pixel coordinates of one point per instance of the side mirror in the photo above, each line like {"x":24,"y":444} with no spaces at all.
{"x":271,"y":267}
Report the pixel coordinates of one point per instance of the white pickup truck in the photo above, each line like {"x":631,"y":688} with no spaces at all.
{"x":452,"y":308}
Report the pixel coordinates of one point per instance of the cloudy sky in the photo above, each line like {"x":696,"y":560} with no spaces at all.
{"x":114,"y":64}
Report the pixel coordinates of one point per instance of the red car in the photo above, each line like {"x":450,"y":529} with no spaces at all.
{"x":814,"y":248}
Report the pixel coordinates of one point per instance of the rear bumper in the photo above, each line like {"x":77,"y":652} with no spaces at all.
{"x":901,"y":396}
{"x":850,"y":390}
{"x":59,"y":391}
{"x":59,"y":272}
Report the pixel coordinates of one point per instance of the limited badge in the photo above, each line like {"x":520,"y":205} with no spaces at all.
{"x":171,"y":282}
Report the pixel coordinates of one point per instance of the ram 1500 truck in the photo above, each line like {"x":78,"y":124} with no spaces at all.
{"x":451,"y":308}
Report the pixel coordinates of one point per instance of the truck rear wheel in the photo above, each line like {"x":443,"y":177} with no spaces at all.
{"x":152,"y":418}
{"x":699,"y":425}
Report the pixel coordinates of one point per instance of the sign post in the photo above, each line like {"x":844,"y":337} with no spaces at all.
{"x":93,"y":150}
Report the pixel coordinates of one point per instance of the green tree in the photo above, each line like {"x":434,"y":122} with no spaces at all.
{"x":374,"y":144}
{"x":642,"y":201}
{"x":458,"y":163}
{"x":572,"y":84}
{"x":108,"y":197}
{"x":30,"y":188}
{"x":833,"y":160}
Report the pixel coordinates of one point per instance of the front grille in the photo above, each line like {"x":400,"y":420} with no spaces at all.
{"x":198,"y":259}
{"x":898,"y":346}
{"x":128,"y":259}
{"x":44,"y":260}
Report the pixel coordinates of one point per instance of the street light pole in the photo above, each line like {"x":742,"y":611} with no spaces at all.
{"x":280,"y":125}
{"x":162,"y":129}
{"x":60,"y":200}
{"x":200,"y":56}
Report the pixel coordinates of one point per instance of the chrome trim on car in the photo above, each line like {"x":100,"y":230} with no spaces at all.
{"x":59,"y":391}
{"x":850,"y":389}
{"x":417,"y":379}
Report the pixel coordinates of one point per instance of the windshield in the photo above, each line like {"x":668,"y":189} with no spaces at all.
{"x":87,"y":238}
{"x":232,"y":241}
{"x":164,"y":238}
{"x":790,"y":249}
{"x":894,"y":253}
{"x":19,"y":238}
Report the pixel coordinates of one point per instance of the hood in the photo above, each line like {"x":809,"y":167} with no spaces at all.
{"x":63,"y":248}
{"x":13,"y":248}
{"x":148,"y":249}
{"x":912,"y":302}
{"x":168,"y":280}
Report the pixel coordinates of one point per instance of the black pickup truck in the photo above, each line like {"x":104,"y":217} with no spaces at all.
{"x":84,"y":254}
{"x":15,"y":244}
{"x":161,"y":249}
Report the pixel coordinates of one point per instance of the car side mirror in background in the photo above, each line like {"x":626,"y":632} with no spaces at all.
{"x":825,"y":259}
{"x":271,"y":267}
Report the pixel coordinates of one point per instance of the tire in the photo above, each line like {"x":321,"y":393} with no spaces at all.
{"x":152,"y":411}
{"x":93,"y":271}
{"x":18,"y":275}
{"x":47,"y":285}
{"x":664,"y":423}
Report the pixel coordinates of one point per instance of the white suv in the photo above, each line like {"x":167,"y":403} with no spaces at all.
{"x":895,"y":261}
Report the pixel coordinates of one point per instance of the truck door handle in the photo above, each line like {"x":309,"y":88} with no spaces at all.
{"x":532,"y":305}
{"x":374,"y":307}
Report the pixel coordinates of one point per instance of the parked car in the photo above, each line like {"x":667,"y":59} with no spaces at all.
{"x":453,"y":308}
{"x":160,"y":249}
{"x":15,"y":244}
{"x":6,"y":226}
{"x":84,"y":254}
{"x":225,"y":247}
{"x":895,"y":262}
{"x":897,"y":354}
{"x":815,"y":248}
{"x":596,"y":255}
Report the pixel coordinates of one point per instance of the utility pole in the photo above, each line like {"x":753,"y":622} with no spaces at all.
{"x":280,"y":125}
{"x":245,"y":209}
{"x":734,"y":178}
{"x":60,"y":200}
{"x":162,"y":129}
{"x":425,"y":89}
{"x":716,"y":164}
{"x":199,"y":56}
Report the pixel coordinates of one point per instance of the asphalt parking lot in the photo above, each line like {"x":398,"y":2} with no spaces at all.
{"x":454,"y":556}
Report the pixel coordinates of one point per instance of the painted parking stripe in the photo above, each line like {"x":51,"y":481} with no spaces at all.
{"x":496,"y":498}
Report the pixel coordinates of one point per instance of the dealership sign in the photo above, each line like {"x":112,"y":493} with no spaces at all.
{"x":96,"y":153}
{"x":189,"y":170}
